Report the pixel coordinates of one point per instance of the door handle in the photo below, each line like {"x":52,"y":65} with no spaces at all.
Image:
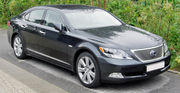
{"x":42,"y":32}
{"x":34,"y":28}
{"x":24,"y":26}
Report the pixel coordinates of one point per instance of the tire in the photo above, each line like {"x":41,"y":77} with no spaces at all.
{"x":18,"y":47}
{"x":88,"y":70}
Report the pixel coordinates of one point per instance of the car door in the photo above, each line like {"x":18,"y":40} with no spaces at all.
{"x":31,"y":24}
{"x":52,"y":43}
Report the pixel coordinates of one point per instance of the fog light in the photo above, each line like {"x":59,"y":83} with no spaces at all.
{"x":116,"y":75}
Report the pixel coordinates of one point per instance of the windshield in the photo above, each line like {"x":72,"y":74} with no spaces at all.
{"x":91,"y":18}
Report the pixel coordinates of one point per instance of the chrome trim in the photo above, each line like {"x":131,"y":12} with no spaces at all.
{"x":165,"y":68}
{"x":70,"y":46}
{"x":47,"y":56}
{"x":136,"y":76}
{"x":133,"y":50}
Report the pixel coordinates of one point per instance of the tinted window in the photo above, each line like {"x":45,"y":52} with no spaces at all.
{"x":52,"y":18}
{"x":91,"y":18}
{"x":36,"y":16}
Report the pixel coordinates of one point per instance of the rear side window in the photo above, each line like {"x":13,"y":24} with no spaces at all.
{"x":52,"y":18}
{"x":36,"y":16}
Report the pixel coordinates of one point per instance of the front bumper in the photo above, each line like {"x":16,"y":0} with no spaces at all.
{"x":130,"y":69}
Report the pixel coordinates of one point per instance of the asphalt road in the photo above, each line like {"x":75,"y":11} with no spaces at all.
{"x":41,"y":76}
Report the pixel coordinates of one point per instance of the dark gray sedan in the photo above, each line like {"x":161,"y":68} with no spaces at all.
{"x":89,"y":41}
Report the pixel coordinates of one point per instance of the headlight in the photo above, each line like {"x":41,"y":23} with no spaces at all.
{"x":165,"y":48}
{"x":166,"y":51}
{"x":114,"y":53}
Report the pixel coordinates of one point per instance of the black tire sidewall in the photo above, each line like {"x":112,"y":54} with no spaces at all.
{"x":96,"y":82}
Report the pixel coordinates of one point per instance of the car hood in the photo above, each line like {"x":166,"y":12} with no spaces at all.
{"x":124,"y":36}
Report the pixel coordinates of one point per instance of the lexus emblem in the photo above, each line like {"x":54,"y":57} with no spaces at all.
{"x":153,"y":53}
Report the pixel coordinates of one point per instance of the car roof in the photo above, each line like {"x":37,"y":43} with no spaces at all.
{"x":71,"y":7}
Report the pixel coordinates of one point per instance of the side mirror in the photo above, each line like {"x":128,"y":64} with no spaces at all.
{"x":59,"y":27}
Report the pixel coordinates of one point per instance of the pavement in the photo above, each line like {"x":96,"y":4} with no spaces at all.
{"x":35,"y":76}
{"x":20,"y":81}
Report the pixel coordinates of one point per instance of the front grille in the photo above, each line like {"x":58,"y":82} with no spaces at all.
{"x":146,"y":55}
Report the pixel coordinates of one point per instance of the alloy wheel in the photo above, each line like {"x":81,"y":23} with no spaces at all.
{"x":18,"y":46}
{"x":86,"y":70}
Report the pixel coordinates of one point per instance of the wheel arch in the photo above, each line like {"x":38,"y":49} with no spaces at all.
{"x":12,"y":38}
{"x":80,"y":51}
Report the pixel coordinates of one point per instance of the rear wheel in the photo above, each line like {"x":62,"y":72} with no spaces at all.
{"x":87,"y":70}
{"x":18,"y":47}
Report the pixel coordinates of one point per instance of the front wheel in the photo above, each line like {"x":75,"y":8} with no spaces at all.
{"x":18,"y":47}
{"x":87,"y":70}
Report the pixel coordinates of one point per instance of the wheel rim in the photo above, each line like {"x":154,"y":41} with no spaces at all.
{"x":17,"y":46}
{"x":86,"y":70}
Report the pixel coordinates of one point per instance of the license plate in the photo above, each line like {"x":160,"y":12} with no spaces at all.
{"x":155,"y":66}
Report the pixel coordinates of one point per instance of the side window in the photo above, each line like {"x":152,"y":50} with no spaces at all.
{"x":36,"y":16}
{"x":52,"y":18}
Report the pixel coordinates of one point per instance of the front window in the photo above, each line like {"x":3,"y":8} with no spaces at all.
{"x":52,"y":18}
{"x":91,"y":18}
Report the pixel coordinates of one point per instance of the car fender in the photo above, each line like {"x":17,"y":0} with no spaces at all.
{"x":85,"y":47}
